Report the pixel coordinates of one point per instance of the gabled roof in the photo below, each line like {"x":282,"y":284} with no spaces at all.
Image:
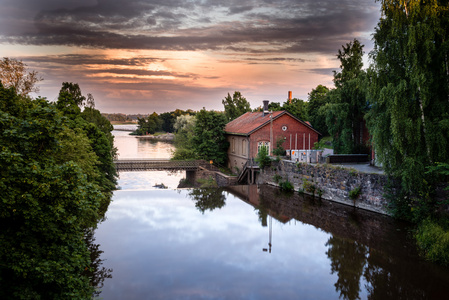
{"x":249,"y":122}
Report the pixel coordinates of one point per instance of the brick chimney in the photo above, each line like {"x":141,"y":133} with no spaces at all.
{"x":290,"y":97}
{"x":265,"y":107}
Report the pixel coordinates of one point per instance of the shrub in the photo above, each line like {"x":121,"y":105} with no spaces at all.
{"x":277,"y":178}
{"x":262,"y":158}
{"x":286,"y":186}
{"x":433,"y":240}
{"x":355,"y":193}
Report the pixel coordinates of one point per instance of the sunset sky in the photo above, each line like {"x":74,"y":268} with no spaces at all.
{"x":140,"y":56}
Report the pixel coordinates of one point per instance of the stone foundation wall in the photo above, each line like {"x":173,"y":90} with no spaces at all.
{"x":221,"y":179}
{"x":332,"y":183}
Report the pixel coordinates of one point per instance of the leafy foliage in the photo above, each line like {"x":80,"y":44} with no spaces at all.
{"x":433,"y":240}
{"x":409,"y":90}
{"x":52,"y":192}
{"x":235,"y":106}
{"x":279,"y":150}
{"x":202,"y":137}
{"x":347,"y":102}
{"x":318,"y":98}
{"x":150,"y":125}
{"x":262,"y":158}
{"x":296,"y":107}
{"x":209,"y":141}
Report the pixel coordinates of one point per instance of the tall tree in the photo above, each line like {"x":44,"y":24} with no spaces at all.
{"x":235,"y":106}
{"x":296,"y":107}
{"x":348,"y":105}
{"x":409,"y":117}
{"x":151,"y":124}
{"x":50,"y":195}
{"x":209,"y":138}
{"x":13,"y":74}
{"x":318,"y":98}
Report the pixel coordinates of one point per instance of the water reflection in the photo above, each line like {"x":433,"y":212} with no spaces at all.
{"x":206,"y":244}
{"x":208,"y":198}
{"x":348,"y":260}
{"x":370,"y":254}
{"x":97,"y":273}
{"x":136,"y":147}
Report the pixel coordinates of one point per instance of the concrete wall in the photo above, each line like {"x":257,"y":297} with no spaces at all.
{"x":334,"y":183}
{"x":237,"y":152}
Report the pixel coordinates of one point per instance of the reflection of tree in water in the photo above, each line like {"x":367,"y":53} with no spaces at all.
{"x":96,"y":272}
{"x":386,"y":281}
{"x":262,"y":212}
{"x":348,"y":259}
{"x":208,"y":198}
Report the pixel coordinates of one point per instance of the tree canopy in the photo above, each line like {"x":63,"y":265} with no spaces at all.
{"x":409,"y":91}
{"x":347,"y":102}
{"x":318,"y":98}
{"x":202,"y":138}
{"x":53,"y":188}
{"x":235,"y":106}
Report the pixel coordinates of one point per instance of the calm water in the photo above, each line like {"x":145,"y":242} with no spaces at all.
{"x":251,"y":242}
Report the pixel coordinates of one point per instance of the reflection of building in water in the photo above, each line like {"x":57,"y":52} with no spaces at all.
{"x":361,"y":244}
{"x":250,"y":195}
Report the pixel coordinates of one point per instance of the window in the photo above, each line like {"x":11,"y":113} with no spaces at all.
{"x":233,"y":145}
{"x":263,"y":144}
{"x":244,"y":148}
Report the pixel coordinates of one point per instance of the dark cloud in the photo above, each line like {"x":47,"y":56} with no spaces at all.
{"x":305,"y":26}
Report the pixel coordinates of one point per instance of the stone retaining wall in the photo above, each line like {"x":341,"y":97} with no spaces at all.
{"x":221,"y":179}
{"x":332,"y":183}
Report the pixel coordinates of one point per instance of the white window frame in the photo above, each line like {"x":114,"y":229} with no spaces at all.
{"x":263,"y":144}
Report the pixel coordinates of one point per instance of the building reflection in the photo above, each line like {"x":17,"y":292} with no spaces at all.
{"x":364,"y":247}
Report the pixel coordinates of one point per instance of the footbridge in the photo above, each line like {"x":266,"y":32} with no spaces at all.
{"x":127,"y":165}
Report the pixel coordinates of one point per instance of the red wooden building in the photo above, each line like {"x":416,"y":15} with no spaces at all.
{"x":252,"y":130}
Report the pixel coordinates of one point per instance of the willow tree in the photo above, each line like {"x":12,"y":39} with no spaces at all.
{"x":409,"y":79}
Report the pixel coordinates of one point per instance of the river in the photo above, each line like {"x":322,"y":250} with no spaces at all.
{"x":250,"y":242}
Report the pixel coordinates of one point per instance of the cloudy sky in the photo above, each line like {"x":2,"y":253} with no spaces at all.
{"x":140,"y":56}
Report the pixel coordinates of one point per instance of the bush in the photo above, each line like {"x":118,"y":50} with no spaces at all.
{"x":433,"y":240}
{"x":262,"y":158}
{"x":355,"y":193}
{"x":277,"y":178}
{"x":286,"y":186}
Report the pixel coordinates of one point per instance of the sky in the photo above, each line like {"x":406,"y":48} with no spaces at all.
{"x":144,"y":56}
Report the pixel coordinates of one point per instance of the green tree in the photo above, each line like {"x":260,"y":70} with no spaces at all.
{"x":274,"y":106}
{"x":348,"y":104}
{"x":184,"y":127}
{"x":151,"y":124}
{"x":262,"y":158}
{"x":235,"y":106}
{"x":48,"y":200}
{"x":409,"y":88}
{"x":318,"y":98}
{"x":209,"y":139}
{"x":296,"y":107}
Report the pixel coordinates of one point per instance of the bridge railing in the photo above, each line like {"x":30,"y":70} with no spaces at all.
{"x":157,"y":164}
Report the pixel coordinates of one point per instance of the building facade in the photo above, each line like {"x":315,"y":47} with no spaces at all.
{"x":249,"y":132}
